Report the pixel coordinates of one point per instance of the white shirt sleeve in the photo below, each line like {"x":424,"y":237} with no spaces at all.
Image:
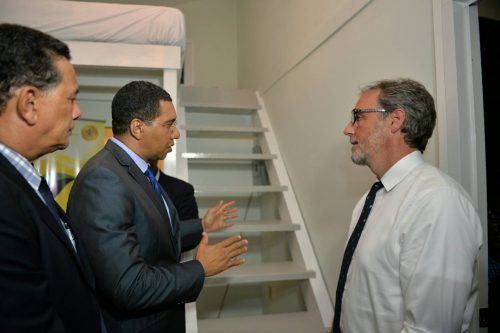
{"x":435,"y":262}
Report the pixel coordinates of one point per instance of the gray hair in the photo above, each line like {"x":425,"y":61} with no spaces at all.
{"x":415,"y":101}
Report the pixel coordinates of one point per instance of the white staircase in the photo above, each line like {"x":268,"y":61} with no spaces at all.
{"x":228,"y":151}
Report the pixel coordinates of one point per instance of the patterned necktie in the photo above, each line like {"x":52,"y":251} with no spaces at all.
{"x":349,"y":252}
{"x":153,"y":181}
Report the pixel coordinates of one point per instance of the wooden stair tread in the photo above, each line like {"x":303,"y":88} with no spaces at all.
{"x":207,"y":190}
{"x":263,"y":272}
{"x":296,"y":322}
{"x":224,"y":129}
{"x":257,"y":226}
{"x":227,"y":156}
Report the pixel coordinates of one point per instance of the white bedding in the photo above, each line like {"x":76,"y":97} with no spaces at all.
{"x":98,"y":22}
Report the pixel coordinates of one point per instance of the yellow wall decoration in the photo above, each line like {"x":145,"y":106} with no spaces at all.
{"x":61,"y":167}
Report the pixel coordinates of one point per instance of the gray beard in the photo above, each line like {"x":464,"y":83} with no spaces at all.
{"x":359,"y":161}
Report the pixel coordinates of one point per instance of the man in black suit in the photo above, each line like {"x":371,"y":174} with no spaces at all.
{"x":182,"y":195}
{"x":180,"y":192}
{"x":46,"y":284}
{"x":131,"y":228}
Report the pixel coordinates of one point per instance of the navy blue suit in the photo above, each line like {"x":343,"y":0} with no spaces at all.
{"x":133,"y":250}
{"x":45,"y":286}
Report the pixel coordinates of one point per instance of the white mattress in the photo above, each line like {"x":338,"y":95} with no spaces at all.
{"x":98,"y":22}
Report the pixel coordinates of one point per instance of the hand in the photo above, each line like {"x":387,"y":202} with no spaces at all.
{"x":218,"y":257}
{"x":216,"y":216}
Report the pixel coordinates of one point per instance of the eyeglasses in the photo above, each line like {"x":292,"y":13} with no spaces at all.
{"x":355,"y":113}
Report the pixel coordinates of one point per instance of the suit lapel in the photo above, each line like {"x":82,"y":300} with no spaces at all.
{"x":133,"y":170}
{"x":176,"y":238}
{"x":44,"y":212}
{"x":80,"y":251}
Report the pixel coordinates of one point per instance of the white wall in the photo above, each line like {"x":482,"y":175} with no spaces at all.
{"x":275,"y":35}
{"x":211,"y":27}
{"x":309,"y":106}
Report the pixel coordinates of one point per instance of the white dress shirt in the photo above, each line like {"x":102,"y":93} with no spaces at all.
{"x":414,"y":269}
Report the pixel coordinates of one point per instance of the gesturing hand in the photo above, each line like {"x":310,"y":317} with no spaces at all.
{"x":218,"y":257}
{"x":216,"y":216}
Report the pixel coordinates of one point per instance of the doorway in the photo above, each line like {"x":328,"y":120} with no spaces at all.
{"x":489,"y":30}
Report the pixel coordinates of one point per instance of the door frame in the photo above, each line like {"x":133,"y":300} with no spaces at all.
{"x":460,"y":117}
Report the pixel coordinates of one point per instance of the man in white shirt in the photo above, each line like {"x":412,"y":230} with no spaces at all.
{"x":414,"y":266}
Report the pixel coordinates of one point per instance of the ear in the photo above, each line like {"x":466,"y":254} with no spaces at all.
{"x":136,"y":128}
{"x":27,"y":104}
{"x":397,"y":118}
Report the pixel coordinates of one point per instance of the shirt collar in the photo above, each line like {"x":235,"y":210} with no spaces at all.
{"x":143,"y":165}
{"x":22,"y":165}
{"x":402,"y":168}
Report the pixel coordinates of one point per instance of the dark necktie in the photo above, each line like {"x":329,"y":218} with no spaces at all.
{"x":349,"y":252}
{"x":153,"y":181}
{"x":48,"y":197}
{"x":156,"y":186}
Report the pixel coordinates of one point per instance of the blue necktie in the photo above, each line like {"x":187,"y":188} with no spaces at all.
{"x":153,"y":181}
{"x":349,"y":252}
{"x":156,"y":186}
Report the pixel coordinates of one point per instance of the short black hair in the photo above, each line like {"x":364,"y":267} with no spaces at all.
{"x":137,"y":99}
{"x":27,"y":57}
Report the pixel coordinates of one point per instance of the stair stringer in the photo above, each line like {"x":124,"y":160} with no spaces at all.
{"x":315,"y":292}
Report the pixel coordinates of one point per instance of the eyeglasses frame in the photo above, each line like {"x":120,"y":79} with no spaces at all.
{"x":355,"y":112}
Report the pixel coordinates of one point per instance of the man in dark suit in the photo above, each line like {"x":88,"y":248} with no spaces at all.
{"x":131,"y":228}
{"x":46,"y":284}
{"x":181,"y":193}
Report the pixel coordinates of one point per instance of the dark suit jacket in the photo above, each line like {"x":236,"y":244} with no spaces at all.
{"x":141,"y":285}
{"x":45,"y":286}
{"x":182,"y":195}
